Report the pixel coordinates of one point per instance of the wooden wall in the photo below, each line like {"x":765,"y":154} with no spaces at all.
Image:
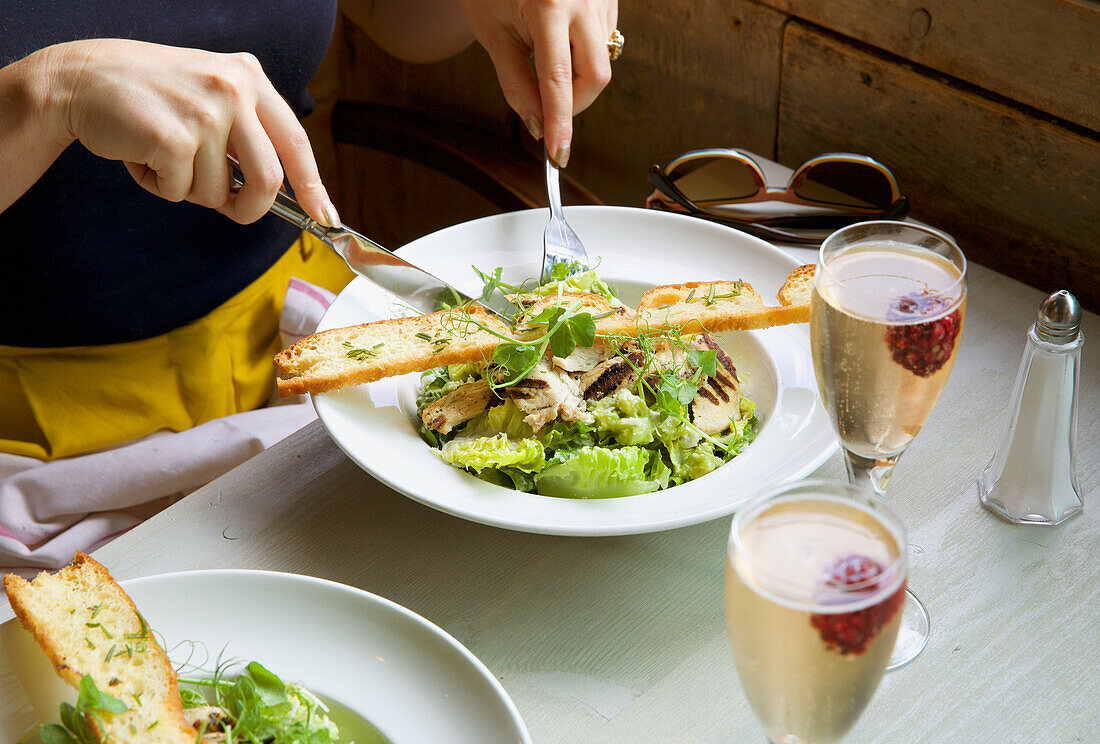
{"x":988,"y":112}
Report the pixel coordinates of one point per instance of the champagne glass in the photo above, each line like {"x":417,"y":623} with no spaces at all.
{"x":815,"y":585}
{"x":886,"y":313}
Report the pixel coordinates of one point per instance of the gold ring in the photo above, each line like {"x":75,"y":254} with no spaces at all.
{"x":615,"y":45}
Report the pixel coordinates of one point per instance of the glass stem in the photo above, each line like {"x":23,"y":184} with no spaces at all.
{"x":870,"y":472}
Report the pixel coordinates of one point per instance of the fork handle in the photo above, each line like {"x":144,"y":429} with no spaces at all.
{"x":553,"y":187}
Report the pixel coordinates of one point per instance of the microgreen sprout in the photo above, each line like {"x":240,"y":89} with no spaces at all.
{"x":565,"y":330}
{"x":141,"y":634}
{"x":667,"y":371}
{"x":671,"y":392}
{"x":74,"y":727}
{"x":257,"y":706}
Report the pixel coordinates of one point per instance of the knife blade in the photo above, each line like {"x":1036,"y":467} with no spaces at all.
{"x":416,"y":287}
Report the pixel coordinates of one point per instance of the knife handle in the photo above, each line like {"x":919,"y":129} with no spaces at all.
{"x":285,"y":205}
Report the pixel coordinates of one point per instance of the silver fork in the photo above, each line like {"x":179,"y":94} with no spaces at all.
{"x":559,"y":243}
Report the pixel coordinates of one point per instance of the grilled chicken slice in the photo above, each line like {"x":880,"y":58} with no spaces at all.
{"x":584,"y":358}
{"x":718,"y":400}
{"x":545,"y":395}
{"x":210,"y":720}
{"x":459,"y":406}
{"x":671,"y":358}
{"x":611,"y":376}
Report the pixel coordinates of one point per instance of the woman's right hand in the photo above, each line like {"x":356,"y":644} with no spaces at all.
{"x":172,"y":114}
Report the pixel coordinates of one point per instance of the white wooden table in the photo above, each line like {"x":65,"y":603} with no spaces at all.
{"x":622,"y":639}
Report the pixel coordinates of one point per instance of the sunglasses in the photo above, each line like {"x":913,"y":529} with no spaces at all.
{"x":852,"y":187}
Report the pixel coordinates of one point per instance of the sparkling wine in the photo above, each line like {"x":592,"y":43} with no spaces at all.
{"x":814,"y":589}
{"x":886,"y":318}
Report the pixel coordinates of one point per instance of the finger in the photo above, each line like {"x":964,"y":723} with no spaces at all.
{"x":145,"y":176}
{"x":554,"y":68}
{"x":519,"y":84}
{"x":292,"y":146}
{"x":591,"y":62}
{"x":210,"y":185}
{"x":168,"y":170}
{"x":263,"y":175}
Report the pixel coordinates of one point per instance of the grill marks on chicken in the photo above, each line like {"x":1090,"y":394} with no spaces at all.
{"x":545,"y":395}
{"x":718,"y":400}
{"x":608,"y":377}
{"x":459,"y":406}
{"x":560,"y":388}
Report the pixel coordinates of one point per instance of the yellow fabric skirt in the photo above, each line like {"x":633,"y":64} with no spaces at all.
{"x":57,"y":402}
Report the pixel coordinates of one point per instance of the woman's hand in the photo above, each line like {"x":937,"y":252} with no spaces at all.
{"x":172,"y":114}
{"x":569,"y":41}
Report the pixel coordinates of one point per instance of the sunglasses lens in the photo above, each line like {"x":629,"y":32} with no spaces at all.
{"x":847,"y":185}
{"x":714,"y":180}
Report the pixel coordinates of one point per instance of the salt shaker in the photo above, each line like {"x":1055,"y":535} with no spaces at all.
{"x":1032,"y":477}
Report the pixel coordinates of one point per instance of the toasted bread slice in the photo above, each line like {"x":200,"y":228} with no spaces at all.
{"x":795,"y":294}
{"x":700,"y":307}
{"x":370,"y":351}
{"x":87,"y":624}
{"x":584,"y":302}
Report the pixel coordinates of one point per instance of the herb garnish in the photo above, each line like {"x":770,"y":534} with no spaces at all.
{"x":712,"y":298}
{"x":566,"y":329}
{"x":100,"y":626}
{"x":74,"y":727}
{"x":643,"y":436}
{"x":260,"y":707}
{"x":361,"y":354}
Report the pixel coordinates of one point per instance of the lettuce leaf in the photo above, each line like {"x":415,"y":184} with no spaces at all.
{"x":583,"y":281}
{"x":625,"y":416}
{"x":505,"y":418}
{"x":689,"y":463}
{"x":499,"y":451}
{"x":658,"y":469}
{"x":598,"y":473}
{"x":566,"y":437}
{"x":510,"y":478}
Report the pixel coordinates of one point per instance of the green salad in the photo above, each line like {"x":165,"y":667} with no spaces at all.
{"x":571,"y":413}
{"x":258,"y":707}
{"x":254,"y":708}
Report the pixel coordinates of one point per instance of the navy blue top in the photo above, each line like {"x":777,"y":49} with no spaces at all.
{"x":89,"y":257}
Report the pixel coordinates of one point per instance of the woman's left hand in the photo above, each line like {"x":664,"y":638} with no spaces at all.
{"x":568,"y":39}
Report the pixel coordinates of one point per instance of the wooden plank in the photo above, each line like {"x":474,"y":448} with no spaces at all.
{"x":1022,"y":195}
{"x":391,"y":199}
{"x":717,"y":85}
{"x":691,"y":75}
{"x":325,"y":89}
{"x":1043,"y":53}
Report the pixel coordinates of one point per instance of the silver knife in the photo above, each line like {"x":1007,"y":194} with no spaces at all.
{"x":416,"y":287}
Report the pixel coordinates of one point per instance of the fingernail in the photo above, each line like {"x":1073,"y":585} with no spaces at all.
{"x":561,"y":157}
{"x":534,"y":126}
{"x":332,"y":217}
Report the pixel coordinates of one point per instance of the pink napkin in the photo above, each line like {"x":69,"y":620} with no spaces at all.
{"x":49,"y":510}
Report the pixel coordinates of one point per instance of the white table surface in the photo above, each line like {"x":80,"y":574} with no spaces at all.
{"x":622,"y":639}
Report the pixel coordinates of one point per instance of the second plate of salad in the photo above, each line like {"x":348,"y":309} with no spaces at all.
{"x":781,"y":432}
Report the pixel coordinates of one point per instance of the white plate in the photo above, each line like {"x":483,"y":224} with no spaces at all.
{"x":637,"y":249}
{"x":406,"y":676}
